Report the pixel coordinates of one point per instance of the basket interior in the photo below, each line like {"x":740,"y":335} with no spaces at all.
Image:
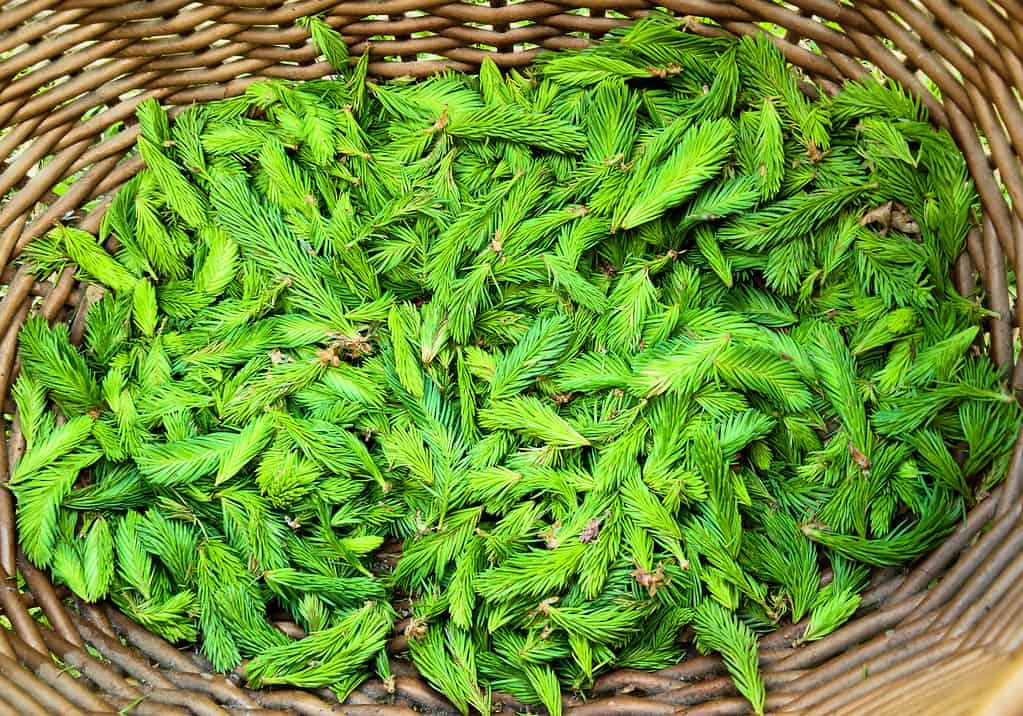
{"x":945,"y":637}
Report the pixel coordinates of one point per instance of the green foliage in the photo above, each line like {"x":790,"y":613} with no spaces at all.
{"x":717,"y":630}
{"x":179,"y":194}
{"x":328,"y":40}
{"x":446,"y":657}
{"x":663,"y":182}
{"x":43,"y":478}
{"x":533,"y":356}
{"x":622,"y":349}
{"x":30,"y":398}
{"x":58,"y":367}
{"x":838,"y":600}
{"x":532,"y":418}
{"x":331,"y":656}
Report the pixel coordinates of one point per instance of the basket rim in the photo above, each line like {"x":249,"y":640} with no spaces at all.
{"x":971,"y":39}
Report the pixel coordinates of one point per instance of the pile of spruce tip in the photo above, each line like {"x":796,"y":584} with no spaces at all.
{"x":643,"y":351}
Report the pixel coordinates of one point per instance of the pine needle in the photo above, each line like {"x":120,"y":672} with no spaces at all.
{"x":717,"y":630}
{"x":699,"y":156}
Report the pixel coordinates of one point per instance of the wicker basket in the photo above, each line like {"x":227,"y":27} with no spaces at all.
{"x":944,"y":638}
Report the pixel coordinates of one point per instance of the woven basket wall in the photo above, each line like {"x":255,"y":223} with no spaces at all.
{"x":944,"y":638}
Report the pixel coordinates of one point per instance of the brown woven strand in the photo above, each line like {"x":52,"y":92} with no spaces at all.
{"x":951,"y":648}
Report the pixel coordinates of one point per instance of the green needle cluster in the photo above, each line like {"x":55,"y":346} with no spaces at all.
{"x":641,"y":351}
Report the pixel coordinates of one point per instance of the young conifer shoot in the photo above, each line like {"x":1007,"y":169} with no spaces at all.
{"x":640,"y":353}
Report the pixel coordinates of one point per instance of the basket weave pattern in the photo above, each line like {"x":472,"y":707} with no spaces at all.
{"x":944,"y":638}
